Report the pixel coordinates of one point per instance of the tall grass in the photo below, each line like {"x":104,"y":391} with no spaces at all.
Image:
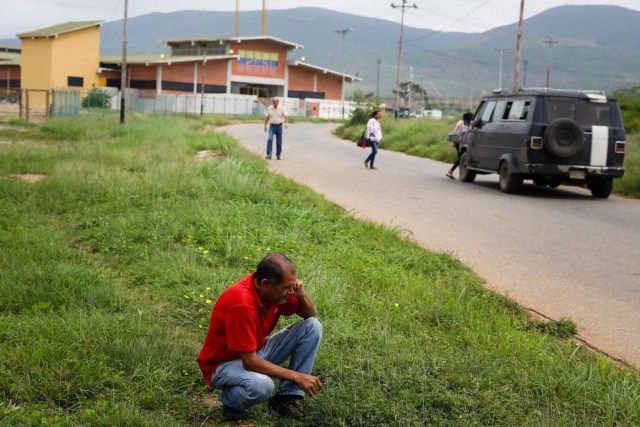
{"x":629,"y":184}
{"x":110,"y":267}
{"x":423,"y":138}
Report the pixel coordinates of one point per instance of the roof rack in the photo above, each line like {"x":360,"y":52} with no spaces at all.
{"x":549,"y":90}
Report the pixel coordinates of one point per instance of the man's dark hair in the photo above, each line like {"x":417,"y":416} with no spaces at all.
{"x":272,"y":267}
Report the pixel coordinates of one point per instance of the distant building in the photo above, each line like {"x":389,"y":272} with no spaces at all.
{"x":9,"y":68}
{"x":238,"y":65}
{"x":62,"y":56}
{"x":67,"y":56}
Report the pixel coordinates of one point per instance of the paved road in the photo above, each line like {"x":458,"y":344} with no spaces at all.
{"x":559,"y":252}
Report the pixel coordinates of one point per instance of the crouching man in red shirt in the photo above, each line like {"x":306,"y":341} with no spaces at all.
{"x":238,"y":359}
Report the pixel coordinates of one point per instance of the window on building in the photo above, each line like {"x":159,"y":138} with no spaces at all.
{"x":75,"y":81}
{"x":201,"y":49}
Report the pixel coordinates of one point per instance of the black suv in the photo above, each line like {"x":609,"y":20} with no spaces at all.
{"x":549,"y":136}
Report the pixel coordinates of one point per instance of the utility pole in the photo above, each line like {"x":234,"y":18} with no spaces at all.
{"x":204,"y":62}
{"x":549,"y":42}
{"x":524,"y":79}
{"x":378,"y":79}
{"x":410,"y":87}
{"x":516,"y":74}
{"x":236,"y":21}
{"x":499,"y":49}
{"x":123,"y":70}
{"x":264,"y":17}
{"x":343,"y":32}
{"x":404,"y":6}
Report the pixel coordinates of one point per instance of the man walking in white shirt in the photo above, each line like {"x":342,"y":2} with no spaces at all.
{"x":276,"y":118}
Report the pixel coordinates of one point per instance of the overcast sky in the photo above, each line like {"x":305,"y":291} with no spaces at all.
{"x":20,"y":16}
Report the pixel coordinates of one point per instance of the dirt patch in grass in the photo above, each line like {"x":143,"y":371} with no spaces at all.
{"x":29,"y":177}
{"x":208,"y":128}
{"x":210,"y":400}
{"x":208,"y":154}
{"x":25,"y":143}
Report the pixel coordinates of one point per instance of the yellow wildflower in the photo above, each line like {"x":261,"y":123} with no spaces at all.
{"x":208,"y":301}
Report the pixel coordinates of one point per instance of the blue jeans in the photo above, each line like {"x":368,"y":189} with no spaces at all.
{"x":242,"y":389}
{"x":277,"y":131}
{"x":374,"y":151}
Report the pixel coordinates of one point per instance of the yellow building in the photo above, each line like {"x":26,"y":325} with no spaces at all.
{"x":65,"y":56}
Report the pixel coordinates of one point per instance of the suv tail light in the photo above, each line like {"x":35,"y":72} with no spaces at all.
{"x":620,"y":147}
{"x":536,"y":143}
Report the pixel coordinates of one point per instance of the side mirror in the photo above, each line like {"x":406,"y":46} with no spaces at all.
{"x":477,"y":124}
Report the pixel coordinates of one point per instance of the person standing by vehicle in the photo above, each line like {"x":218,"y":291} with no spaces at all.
{"x":276,"y":118}
{"x":461,"y":127}
{"x":374,"y":131}
{"x":238,"y":358}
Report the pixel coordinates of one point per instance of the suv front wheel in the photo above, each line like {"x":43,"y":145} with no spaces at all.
{"x":509,"y":182}
{"x":466,"y":175}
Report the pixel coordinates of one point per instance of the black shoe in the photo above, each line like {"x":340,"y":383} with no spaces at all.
{"x":233,"y":414}
{"x":268,"y":157}
{"x":286,"y":406}
{"x":278,"y":157}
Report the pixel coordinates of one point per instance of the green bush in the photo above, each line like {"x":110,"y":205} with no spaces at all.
{"x":96,"y":99}
{"x":629,"y":100}
{"x":362,"y":113}
{"x":10,"y":98}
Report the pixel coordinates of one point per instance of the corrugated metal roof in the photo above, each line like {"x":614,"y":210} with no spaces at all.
{"x":290,"y":45}
{"x":304,"y":64}
{"x":157,"y":59}
{"x":9,"y":56}
{"x":56,"y":30}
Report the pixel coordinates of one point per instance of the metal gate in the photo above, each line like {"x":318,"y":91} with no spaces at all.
{"x":65,"y":103}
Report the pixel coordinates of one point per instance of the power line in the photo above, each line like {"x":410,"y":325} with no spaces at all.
{"x":436,"y":32}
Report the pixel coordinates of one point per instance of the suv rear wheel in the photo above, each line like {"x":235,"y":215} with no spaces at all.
{"x":601,"y":188}
{"x":509,"y":182}
{"x":466,"y":175}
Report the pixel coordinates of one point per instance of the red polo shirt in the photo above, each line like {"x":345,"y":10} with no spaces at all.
{"x":239,"y":323}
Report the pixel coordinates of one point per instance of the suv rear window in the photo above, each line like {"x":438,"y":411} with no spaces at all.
{"x":596,"y":113}
{"x":560,"y":110}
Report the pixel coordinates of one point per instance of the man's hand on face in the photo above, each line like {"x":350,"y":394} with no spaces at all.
{"x":298,"y":289}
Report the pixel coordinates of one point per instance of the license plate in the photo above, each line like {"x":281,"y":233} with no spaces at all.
{"x":577,"y":174}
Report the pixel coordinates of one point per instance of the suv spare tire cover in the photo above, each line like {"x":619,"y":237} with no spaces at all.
{"x":564,"y":138}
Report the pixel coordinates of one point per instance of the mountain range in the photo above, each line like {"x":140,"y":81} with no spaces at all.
{"x":597,"y":47}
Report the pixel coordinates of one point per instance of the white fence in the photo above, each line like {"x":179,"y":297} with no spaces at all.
{"x":232,"y":104}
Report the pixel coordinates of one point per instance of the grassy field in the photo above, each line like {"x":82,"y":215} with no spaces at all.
{"x":428,"y":138}
{"x":110,"y":265}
